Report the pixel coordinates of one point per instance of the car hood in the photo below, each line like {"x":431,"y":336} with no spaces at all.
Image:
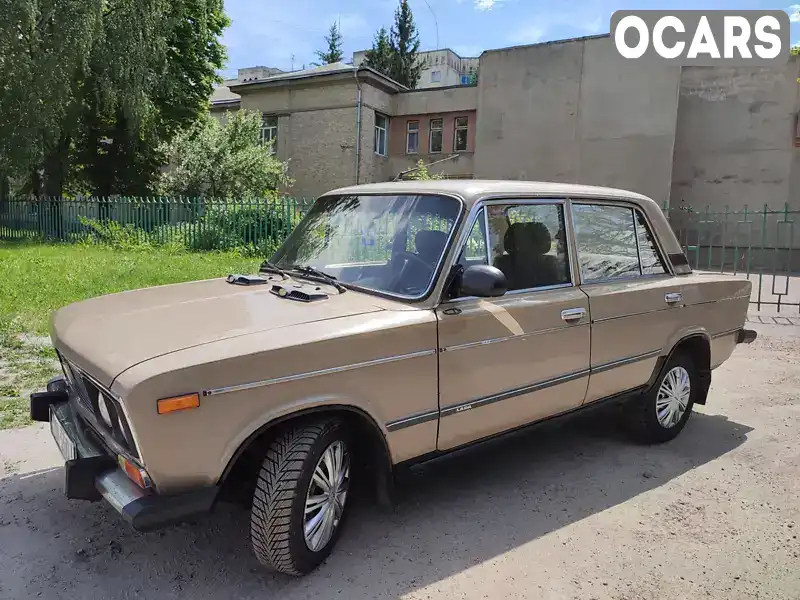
{"x":109,"y":334}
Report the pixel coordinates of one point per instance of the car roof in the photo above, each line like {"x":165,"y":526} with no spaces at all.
{"x":472,"y":190}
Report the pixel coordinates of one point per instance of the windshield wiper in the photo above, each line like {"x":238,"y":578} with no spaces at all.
{"x":330,"y":279}
{"x":268,"y":267}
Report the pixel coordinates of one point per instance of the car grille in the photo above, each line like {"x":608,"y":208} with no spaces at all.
{"x":88,"y":395}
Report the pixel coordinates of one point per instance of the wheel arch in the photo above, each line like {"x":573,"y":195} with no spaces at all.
{"x":373,"y":445}
{"x":697,"y":345}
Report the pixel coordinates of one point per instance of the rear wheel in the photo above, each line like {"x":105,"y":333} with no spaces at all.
{"x":662,"y":413}
{"x":300,"y":500}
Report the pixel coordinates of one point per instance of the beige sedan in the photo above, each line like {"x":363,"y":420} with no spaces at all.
{"x":396,"y":323}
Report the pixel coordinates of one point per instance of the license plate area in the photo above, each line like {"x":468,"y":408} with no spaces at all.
{"x":65,"y":445}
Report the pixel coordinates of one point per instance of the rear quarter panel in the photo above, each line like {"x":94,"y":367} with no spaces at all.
{"x":717,"y":305}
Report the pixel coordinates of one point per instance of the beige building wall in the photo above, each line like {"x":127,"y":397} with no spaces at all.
{"x":316,"y":132}
{"x":576,"y":112}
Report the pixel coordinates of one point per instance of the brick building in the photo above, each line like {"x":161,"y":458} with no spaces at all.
{"x":570,"y":111}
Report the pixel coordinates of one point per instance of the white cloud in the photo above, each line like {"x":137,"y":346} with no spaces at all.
{"x":528,"y":34}
{"x":487,"y":4}
{"x":794,"y":13}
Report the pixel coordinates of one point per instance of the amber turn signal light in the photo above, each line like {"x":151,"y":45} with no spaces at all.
{"x":137,"y":475}
{"x":167,"y":405}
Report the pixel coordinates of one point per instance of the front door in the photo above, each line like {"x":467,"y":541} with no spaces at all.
{"x":508,"y":361}
{"x":635,"y":301}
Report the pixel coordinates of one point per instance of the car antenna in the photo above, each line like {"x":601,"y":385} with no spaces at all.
{"x":412,"y":169}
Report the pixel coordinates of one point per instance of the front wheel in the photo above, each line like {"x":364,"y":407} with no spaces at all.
{"x":661,"y":414}
{"x":300,"y":497}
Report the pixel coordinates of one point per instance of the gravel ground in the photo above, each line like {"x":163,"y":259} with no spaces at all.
{"x":575,"y":512}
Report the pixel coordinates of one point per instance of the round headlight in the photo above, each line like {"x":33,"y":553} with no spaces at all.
{"x":105,"y":413}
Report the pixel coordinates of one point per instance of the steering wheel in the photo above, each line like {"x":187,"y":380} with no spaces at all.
{"x":410,"y":257}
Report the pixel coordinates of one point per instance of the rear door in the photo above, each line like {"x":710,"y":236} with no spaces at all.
{"x":634,"y":300}
{"x":508,"y":361}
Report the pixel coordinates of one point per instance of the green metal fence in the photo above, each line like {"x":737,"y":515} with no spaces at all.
{"x":196,"y":223}
{"x":759,"y":244}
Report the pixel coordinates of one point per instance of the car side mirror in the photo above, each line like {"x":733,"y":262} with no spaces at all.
{"x":483,"y":281}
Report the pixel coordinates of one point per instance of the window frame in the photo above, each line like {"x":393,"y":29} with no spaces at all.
{"x":408,"y":135}
{"x":636,"y":210}
{"x":522,"y":200}
{"x":262,"y":138}
{"x":385,"y":130}
{"x":437,"y":80}
{"x":456,"y":129}
{"x":430,"y":135}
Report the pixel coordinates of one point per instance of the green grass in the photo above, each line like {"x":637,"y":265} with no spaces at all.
{"x":36,"y":279}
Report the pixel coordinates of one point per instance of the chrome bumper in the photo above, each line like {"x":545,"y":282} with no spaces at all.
{"x":95,"y":475}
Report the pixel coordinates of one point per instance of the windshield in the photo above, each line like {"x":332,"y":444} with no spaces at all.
{"x":390,"y":243}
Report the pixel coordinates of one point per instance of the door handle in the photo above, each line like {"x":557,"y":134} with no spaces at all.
{"x":573,"y":315}
{"x":672,"y":297}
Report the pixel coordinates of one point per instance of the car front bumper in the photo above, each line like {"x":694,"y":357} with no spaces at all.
{"x":91,"y":471}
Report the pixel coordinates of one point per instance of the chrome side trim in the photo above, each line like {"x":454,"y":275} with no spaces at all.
{"x":508,"y":394}
{"x":625,"y":361}
{"x":636,"y":314}
{"x":724,"y":333}
{"x":418,"y":419}
{"x":505,"y":339}
{"x":307,"y":374}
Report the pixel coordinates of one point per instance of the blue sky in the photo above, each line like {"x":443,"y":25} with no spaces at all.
{"x":272,"y":32}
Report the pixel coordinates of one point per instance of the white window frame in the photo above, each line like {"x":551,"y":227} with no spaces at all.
{"x":436,"y":76}
{"x":269,"y":131}
{"x":409,"y":133}
{"x":431,"y":129}
{"x":384,"y":151}
{"x":456,"y":129}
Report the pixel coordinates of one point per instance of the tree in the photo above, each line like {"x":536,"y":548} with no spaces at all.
{"x":406,"y":68}
{"x":334,"y":52}
{"x":380,"y":56}
{"x":89,"y":88}
{"x":121,"y":136}
{"x":223,"y":160}
{"x":44,"y":50}
{"x":421,"y":173}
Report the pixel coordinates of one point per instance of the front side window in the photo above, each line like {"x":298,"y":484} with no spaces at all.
{"x":269,"y":131}
{"x":412,"y":137}
{"x":527,"y":242}
{"x":460,"y":134}
{"x":437,"y":127}
{"x":390,"y":244}
{"x":612,"y":245}
{"x":381,"y":127}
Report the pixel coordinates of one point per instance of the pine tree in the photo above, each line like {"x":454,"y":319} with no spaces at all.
{"x":334,"y":52}
{"x":379,"y":57}
{"x":404,"y":42}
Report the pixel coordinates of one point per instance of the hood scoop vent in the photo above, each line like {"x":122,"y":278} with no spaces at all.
{"x":246,"y":279}
{"x":300,"y":293}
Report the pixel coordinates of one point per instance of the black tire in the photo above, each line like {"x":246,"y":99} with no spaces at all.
{"x":277,"y":514}
{"x":642,"y":416}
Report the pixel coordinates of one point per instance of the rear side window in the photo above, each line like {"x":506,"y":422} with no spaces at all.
{"x":614,"y":242}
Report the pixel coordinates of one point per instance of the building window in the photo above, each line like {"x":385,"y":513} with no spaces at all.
{"x":436,"y":76}
{"x":435,"y":138}
{"x":465,"y":79}
{"x":460,"y":134}
{"x":412,"y":137}
{"x":269,"y":131}
{"x":381,"y":127}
